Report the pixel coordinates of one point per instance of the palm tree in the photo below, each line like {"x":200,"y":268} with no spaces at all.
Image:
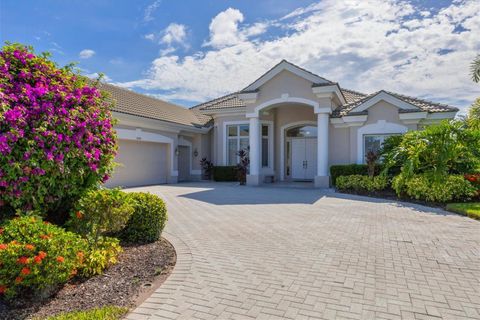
{"x":475,"y":69}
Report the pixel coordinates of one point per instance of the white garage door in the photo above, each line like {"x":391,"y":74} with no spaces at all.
{"x":140,"y":164}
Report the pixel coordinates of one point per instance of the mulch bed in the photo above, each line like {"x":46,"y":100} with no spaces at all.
{"x":140,"y":270}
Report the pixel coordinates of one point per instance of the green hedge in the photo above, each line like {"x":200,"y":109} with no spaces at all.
{"x":147,"y":221}
{"x":350,"y":169}
{"x":429,"y":188}
{"x":362,"y":183}
{"x":225,"y":173}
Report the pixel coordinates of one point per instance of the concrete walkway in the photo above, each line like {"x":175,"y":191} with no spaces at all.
{"x":281,"y":253}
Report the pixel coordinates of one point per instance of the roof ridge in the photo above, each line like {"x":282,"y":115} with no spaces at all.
{"x":213,"y":100}
{"x":419,"y":99}
{"x":354,"y":91}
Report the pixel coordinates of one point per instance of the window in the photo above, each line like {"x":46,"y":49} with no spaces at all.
{"x":237,"y":140}
{"x":265,"y":146}
{"x":302,"y":132}
{"x":373,"y":142}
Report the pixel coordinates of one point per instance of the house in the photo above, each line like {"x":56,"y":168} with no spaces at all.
{"x":296,"y":124}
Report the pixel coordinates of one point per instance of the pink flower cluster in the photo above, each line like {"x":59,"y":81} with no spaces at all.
{"x":56,"y":132}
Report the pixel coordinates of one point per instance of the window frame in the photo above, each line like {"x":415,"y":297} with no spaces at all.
{"x":226,"y":139}
{"x":383,"y":135}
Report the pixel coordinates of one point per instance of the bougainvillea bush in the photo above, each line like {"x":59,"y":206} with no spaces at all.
{"x":56,"y":132}
{"x":36,"y":256}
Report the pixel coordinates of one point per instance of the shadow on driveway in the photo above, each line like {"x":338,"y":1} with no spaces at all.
{"x":234,"y":194}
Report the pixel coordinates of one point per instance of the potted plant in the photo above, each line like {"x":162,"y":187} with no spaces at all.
{"x":242,"y":166}
{"x":207,"y":167}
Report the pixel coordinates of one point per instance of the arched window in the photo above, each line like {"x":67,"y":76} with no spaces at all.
{"x":302,"y":132}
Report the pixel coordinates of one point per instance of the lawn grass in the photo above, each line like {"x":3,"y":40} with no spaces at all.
{"x":104,"y":313}
{"x":471,"y":209}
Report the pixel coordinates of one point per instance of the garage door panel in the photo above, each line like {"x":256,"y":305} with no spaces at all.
{"x":140,"y":164}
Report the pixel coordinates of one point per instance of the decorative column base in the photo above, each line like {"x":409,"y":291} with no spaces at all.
{"x":253,"y":180}
{"x":322,"y":182}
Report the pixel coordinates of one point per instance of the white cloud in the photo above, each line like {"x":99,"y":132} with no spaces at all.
{"x":150,"y":10}
{"x":149,"y":36}
{"x":224,"y":28}
{"x":364,"y":45}
{"x":86,"y":53}
{"x":174,"y":33}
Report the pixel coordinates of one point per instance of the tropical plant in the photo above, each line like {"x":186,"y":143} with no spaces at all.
{"x":446,"y":148}
{"x":475,"y":69}
{"x":207,"y":167}
{"x":473,"y":117}
{"x":394,"y":160}
{"x":148,"y":219}
{"x":242,"y":166}
{"x":37,"y":256}
{"x":56,"y":133}
{"x":371,"y":158}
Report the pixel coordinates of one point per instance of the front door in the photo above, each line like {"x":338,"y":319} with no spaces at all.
{"x":304,"y":158}
{"x":183,"y":163}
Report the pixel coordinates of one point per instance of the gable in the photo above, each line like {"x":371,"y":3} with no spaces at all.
{"x":384,"y":96}
{"x":285,"y":66}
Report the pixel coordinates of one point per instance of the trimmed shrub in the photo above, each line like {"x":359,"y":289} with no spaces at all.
{"x":362,"y":183}
{"x":147,"y":221}
{"x":99,"y":256}
{"x":56,"y":136}
{"x":350,"y":169}
{"x":36,"y":256}
{"x":429,"y":187}
{"x":225,"y":173}
{"x":101,"y":212}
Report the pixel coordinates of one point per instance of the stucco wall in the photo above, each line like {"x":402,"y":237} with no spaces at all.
{"x":283,"y":83}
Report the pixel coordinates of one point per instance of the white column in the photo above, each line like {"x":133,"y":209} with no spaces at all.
{"x":322,"y":179}
{"x":254,"y":137}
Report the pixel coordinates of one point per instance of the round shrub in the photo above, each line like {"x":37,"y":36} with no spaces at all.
{"x":99,"y":256}
{"x":36,"y":256}
{"x":434,"y":189}
{"x":56,"y":133}
{"x":101,"y":212}
{"x":147,"y":221}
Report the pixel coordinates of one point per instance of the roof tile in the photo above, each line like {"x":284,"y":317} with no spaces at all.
{"x":137,"y":104}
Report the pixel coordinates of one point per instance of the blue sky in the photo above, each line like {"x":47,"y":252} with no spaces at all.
{"x":190,"y":51}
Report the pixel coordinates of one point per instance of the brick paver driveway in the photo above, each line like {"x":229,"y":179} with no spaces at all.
{"x":282,"y":253}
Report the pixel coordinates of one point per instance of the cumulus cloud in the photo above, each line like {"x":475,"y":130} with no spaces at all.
{"x":86,"y":53}
{"x":364,"y":45}
{"x":225,"y":29}
{"x":174,"y":33}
